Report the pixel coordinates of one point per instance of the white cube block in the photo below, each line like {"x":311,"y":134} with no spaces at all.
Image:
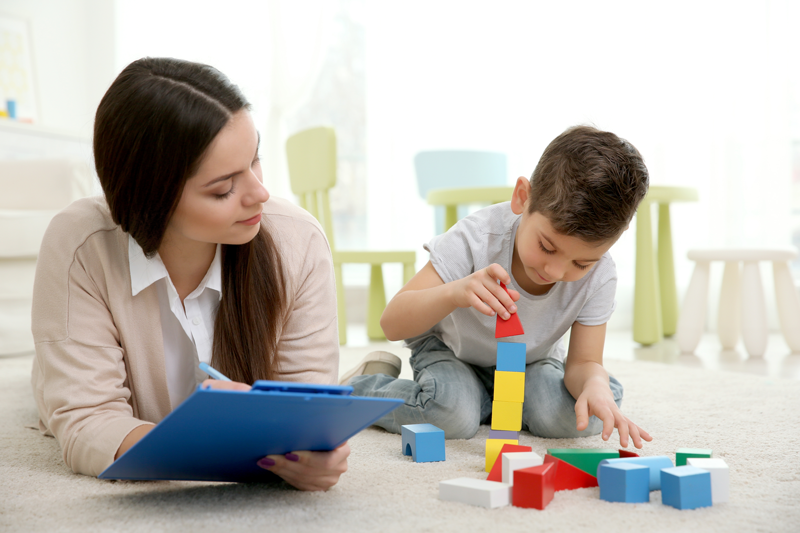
{"x":475,"y":492}
{"x":720,"y":477}
{"x":516,"y":460}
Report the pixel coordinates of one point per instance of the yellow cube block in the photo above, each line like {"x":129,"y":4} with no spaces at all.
{"x":509,"y":386}
{"x":493,"y":447}
{"x":507,"y":416}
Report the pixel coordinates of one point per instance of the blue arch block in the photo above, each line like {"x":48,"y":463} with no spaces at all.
{"x":423,"y":442}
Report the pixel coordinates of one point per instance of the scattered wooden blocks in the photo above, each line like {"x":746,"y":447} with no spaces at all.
{"x":684,"y":453}
{"x":720,"y":476}
{"x":509,"y":387}
{"x":686,"y":487}
{"x":511,"y":357}
{"x":475,"y":492}
{"x":534,"y":487}
{"x":496,"y":472}
{"x":569,"y":477}
{"x":655,"y":463}
{"x":512,"y":461}
{"x":493,"y":447}
{"x":423,"y":442}
{"x":586,"y":459}
{"x":625,"y":482}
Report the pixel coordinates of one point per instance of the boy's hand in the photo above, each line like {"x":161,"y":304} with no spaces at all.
{"x":481,"y":291}
{"x":597,"y":399}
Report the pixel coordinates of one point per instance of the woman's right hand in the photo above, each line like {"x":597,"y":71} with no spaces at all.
{"x":481,"y":291}
{"x":309,"y":470}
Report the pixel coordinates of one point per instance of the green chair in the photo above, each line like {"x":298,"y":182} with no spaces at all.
{"x":311,"y":156}
{"x":655,"y":297}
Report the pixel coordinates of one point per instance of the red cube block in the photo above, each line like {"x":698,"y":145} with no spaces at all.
{"x":534,"y":487}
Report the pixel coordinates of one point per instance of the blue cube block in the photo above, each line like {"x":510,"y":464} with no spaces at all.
{"x":423,"y":442}
{"x":510,"y":357}
{"x":625,"y":482}
{"x":686,"y":487}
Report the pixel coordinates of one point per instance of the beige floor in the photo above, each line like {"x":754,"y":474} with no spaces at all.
{"x":778,"y":362}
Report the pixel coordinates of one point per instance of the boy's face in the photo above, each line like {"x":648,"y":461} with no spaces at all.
{"x":542,"y":256}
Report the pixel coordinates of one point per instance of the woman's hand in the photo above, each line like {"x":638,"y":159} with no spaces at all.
{"x":309,"y":470}
{"x":481,"y":291}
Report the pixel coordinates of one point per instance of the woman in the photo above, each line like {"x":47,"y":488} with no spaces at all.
{"x":185,"y":259}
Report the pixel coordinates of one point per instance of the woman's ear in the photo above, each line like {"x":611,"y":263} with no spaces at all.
{"x":519,"y":199}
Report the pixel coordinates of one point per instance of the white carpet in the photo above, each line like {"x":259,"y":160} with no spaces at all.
{"x":749,"y":421}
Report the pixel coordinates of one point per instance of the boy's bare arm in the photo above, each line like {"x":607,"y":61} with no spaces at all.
{"x":587,"y":381}
{"x":427,"y":299}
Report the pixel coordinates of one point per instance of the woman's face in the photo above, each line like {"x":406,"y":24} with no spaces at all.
{"x":222,"y":202}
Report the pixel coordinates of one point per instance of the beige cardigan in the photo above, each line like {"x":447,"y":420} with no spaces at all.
{"x":99,"y":367}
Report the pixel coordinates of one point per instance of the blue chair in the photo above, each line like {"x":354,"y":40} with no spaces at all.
{"x":457,"y":177}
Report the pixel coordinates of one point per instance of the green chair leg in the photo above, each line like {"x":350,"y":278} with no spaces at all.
{"x":647,"y":324}
{"x":450,"y":216}
{"x":666,"y":272}
{"x":376,"y":304}
{"x":341,"y":305}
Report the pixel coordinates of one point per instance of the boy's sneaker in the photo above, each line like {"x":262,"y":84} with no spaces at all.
{"x":375,"y":363}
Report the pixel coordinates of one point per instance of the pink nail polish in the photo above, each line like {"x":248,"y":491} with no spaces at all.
{"x":266,"y":462}
{"x":292,"y":457}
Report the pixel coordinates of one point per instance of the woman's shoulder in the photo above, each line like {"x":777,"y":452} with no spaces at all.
{"x":77,"y":224}
{"x":289,"y":220}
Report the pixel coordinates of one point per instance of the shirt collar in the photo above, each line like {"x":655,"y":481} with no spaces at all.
{"x":146,"y":271}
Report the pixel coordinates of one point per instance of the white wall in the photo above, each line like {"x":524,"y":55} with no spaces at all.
{"x":701,"y":88}
{"x":73,"y":50}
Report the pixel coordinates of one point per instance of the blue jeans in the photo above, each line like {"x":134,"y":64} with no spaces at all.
{"x":457,"y":397}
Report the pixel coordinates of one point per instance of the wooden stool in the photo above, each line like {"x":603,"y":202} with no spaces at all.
{"x":741,"y":299}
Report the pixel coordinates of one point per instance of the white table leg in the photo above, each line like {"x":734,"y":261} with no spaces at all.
{"x":729,"y":306}
{"x":754,"y":310}
{"x":692,"y":319}
{"x":788,"y":304}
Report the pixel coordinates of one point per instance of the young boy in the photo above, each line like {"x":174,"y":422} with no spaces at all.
{"x":549,"y":246}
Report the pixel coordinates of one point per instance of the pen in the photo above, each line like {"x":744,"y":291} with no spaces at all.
{"x":213,"y":373}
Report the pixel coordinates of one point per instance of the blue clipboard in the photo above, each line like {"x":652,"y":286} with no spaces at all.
{"x":219,"y":435}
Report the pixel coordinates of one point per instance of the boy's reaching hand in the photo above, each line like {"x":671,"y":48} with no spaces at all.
{"x":481,"y":291}
{"x":596,"y":399}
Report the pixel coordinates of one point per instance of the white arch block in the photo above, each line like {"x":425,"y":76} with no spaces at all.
{"x":729,"y":306}
{"x":692,"y":320}
{"x":788,"y":304}
{"x":754,"y":310}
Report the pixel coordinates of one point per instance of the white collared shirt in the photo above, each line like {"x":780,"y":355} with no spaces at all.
{"x":188,"y":328}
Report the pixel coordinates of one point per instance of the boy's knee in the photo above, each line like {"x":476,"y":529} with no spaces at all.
{"x":459,"y":419}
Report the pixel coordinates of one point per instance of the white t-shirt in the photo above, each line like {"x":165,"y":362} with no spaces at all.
{"x":188,"y":333}
{"x":487,"y":237}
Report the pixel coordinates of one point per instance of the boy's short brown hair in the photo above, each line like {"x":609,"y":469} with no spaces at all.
{"x":588,"y":183}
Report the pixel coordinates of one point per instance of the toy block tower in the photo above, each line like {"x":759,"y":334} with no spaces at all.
{"x":509,"y":389}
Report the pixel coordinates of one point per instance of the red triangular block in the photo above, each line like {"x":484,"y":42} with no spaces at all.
{"x":569,"y":477}
{"x":496,"y":474}
{"x":626,"y":453}
{"x":510,"y":327}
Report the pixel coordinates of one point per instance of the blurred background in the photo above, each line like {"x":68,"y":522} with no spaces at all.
{"x":709,"y":92}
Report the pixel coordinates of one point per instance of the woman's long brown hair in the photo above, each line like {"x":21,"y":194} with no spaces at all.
{"x":152,"y":128}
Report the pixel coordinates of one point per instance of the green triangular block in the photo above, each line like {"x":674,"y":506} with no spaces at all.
{"x":587,"y":459}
